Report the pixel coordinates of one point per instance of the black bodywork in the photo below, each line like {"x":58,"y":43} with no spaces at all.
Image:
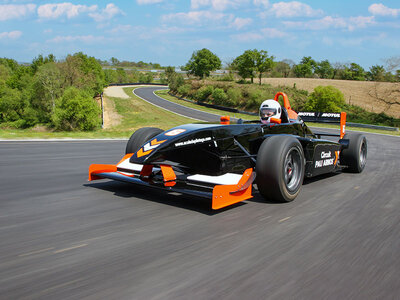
{"x":214,"y":149}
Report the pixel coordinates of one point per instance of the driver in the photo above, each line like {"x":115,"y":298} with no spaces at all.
{"x":270,"y":109}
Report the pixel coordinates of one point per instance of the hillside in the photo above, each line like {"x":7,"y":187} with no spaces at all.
{"x":355,"y":92}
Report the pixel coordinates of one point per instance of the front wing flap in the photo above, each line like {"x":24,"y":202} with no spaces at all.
{"x":224,"y":190}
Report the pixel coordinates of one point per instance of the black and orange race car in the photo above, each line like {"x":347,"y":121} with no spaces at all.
{"x":223,"y":161}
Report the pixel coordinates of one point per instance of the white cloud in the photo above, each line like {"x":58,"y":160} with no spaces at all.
{"x":140,"y":2}
{"x":264,"y":3}
{"x":89,"y":39}
{"x":378,"y":9}
{"x":327,"y":22}
{"x":10,"y":35}
{"x":265,"y":33}
{"x":8,"y":12}
{"x":217,"y":4}
{"x":107,"y":13}
{"x":239,"y":23}
{"x":293,"y":9}
{"x":197,"y":17}
{"x":54,"y":11}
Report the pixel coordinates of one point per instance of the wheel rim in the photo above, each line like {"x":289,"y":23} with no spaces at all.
{"x":363,"y":154}
{"x":292,"y":169}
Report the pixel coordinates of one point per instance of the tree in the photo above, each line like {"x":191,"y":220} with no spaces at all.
{"x":305,"y":68}
{"x":325,"y":99}
{"x":284,"y":67}
{"x":48,"y":79}
{"x":246,"y":64}
{"x":202,"y":63}
{"x":264,"y":63}
{"x":354,"y":72}
{"x":114,"y":61}
{"x":324,"y":69}
{"x":376,"y":73}
{"x":76,"y":110}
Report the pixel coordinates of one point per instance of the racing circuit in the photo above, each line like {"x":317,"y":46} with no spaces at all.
{"x":64,"y":237}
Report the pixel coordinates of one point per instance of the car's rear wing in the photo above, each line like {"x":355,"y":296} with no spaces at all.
{"x":342,"y":121}
{"x":224,"y":190}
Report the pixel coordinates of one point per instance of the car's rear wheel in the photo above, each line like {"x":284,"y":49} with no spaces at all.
{"x":280,"y":168}
{"x":355,"y":156}
{"x":139,"y":137}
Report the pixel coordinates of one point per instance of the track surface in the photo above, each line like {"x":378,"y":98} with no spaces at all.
{"x":65,"y":238}
{"x":147,"y":93}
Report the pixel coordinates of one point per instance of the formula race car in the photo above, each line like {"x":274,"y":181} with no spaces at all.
{"x":222,"y":161}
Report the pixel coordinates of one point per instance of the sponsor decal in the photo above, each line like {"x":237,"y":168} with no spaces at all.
{"x":327,"y":159}
{"x":307,"y":114}
{"x":326,"y":154}
{"x":192,"y":142}
{"x":149,"y":147}
{"x":175,"y":132}
{"x":330,"y":115}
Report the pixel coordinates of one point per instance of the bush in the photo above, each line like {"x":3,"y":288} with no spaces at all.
{"x":76,"y":110}
{"x":234,"y":96}
{"x":325,"y":99}
{"x":175,"y":80}
{"x":184,"y":90}
{"x":204,"y":92}
{"x":219,"y":96}
{"x":255,"y":99}
{"x":226,"y":77}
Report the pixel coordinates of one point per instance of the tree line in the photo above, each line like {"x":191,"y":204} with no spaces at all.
{"x":58,"y":94}
{"x":257,"y":63}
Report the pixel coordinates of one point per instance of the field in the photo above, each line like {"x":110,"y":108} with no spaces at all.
{"x":355,"y":92}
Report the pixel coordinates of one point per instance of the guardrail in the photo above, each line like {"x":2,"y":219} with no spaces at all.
{"x":334,"y":118}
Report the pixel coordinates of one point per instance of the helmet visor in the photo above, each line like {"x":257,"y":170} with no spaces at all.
{"x":267,"y":112}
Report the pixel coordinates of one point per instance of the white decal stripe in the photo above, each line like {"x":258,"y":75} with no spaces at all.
{"x":228,"y":178}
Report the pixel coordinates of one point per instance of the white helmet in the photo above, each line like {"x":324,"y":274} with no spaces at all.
{"x":270,"y":109}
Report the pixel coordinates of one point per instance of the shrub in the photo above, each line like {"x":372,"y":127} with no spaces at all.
{"x":325,"y":99}
{"x":175,"y":80}
{"x":234,"y":96}
{"x":226,"y":77}
{"x":184,"y":90}
{"x":219,"y":96}
{"x":76,"y":110}
{"x":204,"y":92}
{"x":254,"y":100}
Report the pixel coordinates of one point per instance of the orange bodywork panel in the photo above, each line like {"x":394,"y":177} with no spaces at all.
{"x":225,"y":120}
{"x":225,"y":195}
{"x":342,"y":124}
{"x":93,"y":169}
{"x":275,"y":120}
{"x":169,"y":175}
{"x":286,"y":104}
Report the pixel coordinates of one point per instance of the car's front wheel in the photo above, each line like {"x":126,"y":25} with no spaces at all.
{"x":280,"y":168}
{"x":139,"y":137}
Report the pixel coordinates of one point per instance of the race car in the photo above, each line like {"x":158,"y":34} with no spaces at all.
{"x":222,"y":161}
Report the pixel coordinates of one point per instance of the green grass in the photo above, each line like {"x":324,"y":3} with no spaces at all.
{"x":134,"y":111}
{"x":351,"y":128}
{"x":137,"y":113}
{"x":164,"y":94}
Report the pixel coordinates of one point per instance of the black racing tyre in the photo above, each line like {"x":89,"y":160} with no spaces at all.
{"x":355,"y":156}
{"x":280,"y":168}
{"x":141,"y":136}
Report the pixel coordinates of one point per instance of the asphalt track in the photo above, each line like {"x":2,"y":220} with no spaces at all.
{"x":148,"y":95}
{"x":65,"y":238}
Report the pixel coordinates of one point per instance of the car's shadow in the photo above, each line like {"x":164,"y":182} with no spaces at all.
{"x":189,"y":202}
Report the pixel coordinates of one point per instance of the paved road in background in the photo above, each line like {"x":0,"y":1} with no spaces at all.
{"x":65,"y":238}
{"x":147,"y":93}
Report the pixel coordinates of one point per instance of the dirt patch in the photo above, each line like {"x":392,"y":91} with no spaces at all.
{"x":111,"y":117}
{"x":355,"y":92}
{"x":116,"y":91}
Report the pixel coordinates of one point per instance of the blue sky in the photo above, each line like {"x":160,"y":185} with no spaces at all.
{"x":167,"y":32}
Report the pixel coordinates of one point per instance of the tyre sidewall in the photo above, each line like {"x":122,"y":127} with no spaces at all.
{"x":270,"y":168}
